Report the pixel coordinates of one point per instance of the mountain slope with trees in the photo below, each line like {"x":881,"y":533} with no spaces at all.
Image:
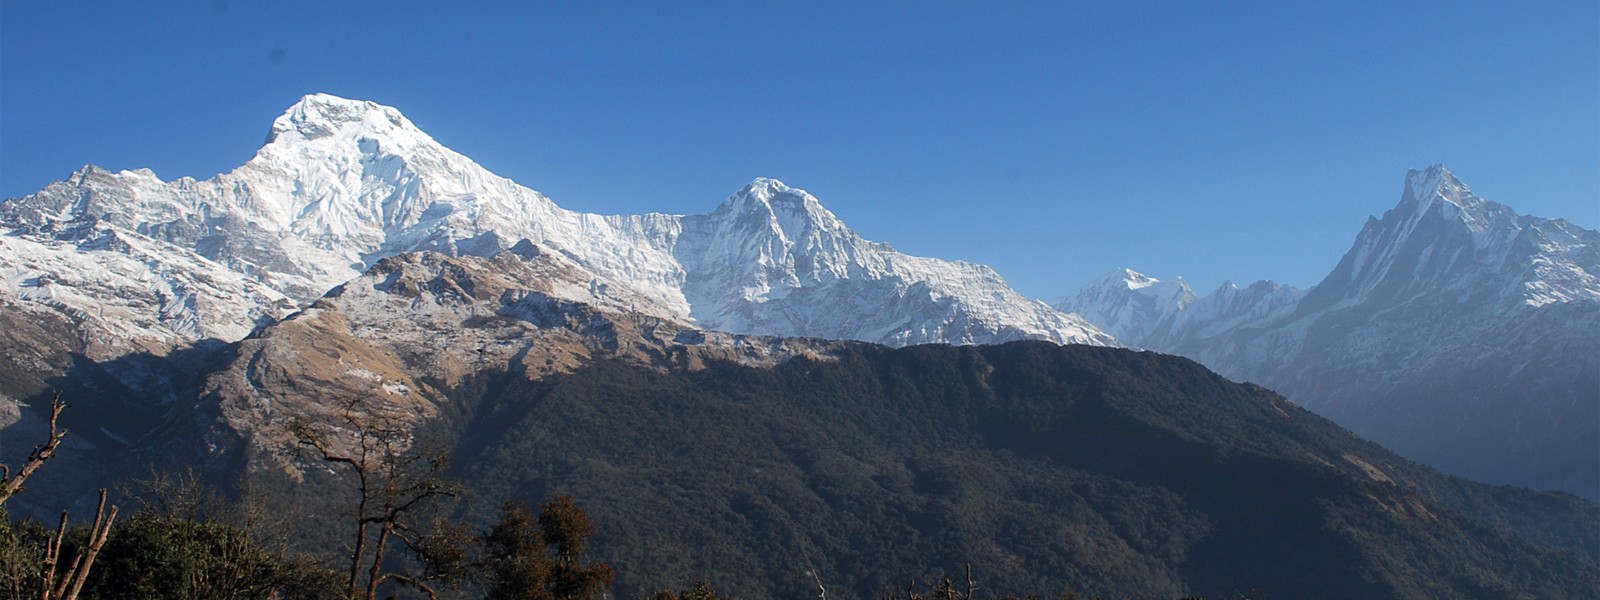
{"x":1107,"y":471}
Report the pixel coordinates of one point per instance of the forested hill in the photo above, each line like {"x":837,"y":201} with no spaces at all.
{"x":1047,"y":468}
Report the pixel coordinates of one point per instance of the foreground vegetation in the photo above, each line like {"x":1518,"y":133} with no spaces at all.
{"x":186,"y":541}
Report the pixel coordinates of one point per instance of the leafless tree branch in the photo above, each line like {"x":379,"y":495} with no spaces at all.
{"x":9,"y":484}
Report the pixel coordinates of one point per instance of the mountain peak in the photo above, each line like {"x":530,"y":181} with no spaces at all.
{"x":1435,"y":191}
{"x":1131,"y":278}
{"x":762,"y":192}
{"x":765,"y":186}
{"x":1134,"y":281}
{"x":319,"y":99}
{"x":317,"y":116}
{"x":1128,"y":304}
{"x":790,"y":209}
{"x":1436,"y":183}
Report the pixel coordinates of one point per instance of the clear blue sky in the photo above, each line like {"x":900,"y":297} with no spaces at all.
{"x":1055,"y":141}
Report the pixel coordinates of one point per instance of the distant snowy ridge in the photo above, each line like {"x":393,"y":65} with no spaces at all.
{"x":1454,"y":330}
{"x":1128,"y":304}
{"x":1443,"y":235}
{"x":1150,"y":313}
{"x":341,"y":184}
{"x":1441,"y":242}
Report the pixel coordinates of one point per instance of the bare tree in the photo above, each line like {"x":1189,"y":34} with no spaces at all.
{"x":11,"y":484}
{"x":395,"y":480}
{"x":21,"y":555}
{"x":71,"y":582}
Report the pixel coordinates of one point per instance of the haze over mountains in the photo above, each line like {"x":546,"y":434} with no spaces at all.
{"x":1454,"y":331}
{"x":355,"y":259}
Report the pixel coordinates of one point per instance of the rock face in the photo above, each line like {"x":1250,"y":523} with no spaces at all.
{"x":398,"y":339}
{"x":1454,"y":331}
{"x":342,"y":184}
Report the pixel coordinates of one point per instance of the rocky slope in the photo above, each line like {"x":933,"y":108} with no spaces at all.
{"x":397,"y":339}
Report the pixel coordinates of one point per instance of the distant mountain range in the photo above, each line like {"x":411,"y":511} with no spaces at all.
{"x":354,"y":258}
{"x":342,"y":184}
{"x":1454,"y":331}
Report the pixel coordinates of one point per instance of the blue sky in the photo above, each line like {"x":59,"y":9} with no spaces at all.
{"x":1055,"y":141}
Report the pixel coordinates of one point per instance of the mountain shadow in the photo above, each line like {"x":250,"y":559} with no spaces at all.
{"x":113,"y":407}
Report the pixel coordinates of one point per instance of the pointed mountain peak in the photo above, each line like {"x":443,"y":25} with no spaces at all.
{"x":322,"y":115}
{"x":85,"y":172}
{"x":1435,"y":191}
{"x":1131,"y":278}
{"x":765,"y":187}
{"x":1122,"y":282}
{"x":789,"y":208}
{"x":1436,"y":183}
{"x":764,"y":192}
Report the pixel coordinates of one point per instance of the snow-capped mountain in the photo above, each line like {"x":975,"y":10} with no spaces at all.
{"x":132,"y":292}
{"x":338,"y":185}
{"x":772,"y":261}
{"x":341,"y":184}
{"x":1128,"y":304}
{"x":1443,"y":238}
{"x":1146,"y":312}
{"x":1454,"y":330}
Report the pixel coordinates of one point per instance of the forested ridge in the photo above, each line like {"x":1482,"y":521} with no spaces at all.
{"x":1046,"y":469}
{"x":1107,"y":471}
